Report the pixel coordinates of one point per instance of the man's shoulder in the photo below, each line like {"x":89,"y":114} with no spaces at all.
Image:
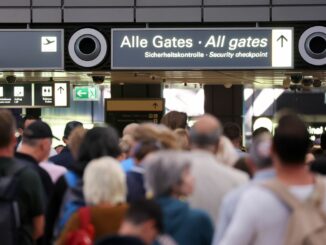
{"x":204,"y":161}
{"x":64,"y":154}
{"x":256,"y":192}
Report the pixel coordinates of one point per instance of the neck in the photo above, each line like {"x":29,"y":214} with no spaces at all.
{"x":29,"y":151}
{"x":294,"y":175}
{"x":6,"y":152}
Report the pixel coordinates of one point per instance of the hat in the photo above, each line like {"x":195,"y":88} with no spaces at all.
{"x":70,"y":126}
{"x":38,"y":130}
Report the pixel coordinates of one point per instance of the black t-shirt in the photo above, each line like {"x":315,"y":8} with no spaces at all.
{"x":29,"y":197}
{"x":53,"y":208}
{"x":45,"y":177}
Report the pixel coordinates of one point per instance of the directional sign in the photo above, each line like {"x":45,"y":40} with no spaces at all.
{"x":23,"y":49}
{"x":282,"y":42}
{"x":15,"y":95}
{"x":44,"y":95}
{"x":61,"y":94}
{"x":35,"y":95}
{"x":232,"y":48}
{"x":135,"y":105}
{"x":86,"y":93}
{"x":120,"y":113}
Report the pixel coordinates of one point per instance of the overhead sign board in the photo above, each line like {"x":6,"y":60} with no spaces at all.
{"x":23,"y":49}
{"x":120,"y":113}
{"x":15,"y":95}
{"x":35,"y":95}
{"x":135,"y":105}
{"x":86,"y":93}
{"x":240,"y":48}
{"x":51,"y":94}
{"x":61,"y":94}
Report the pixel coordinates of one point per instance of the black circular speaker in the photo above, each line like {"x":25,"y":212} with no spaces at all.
{"x":312,"y":45}
{"x":87,"y":47}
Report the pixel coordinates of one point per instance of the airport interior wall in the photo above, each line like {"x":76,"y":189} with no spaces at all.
{"x":157,"y":11}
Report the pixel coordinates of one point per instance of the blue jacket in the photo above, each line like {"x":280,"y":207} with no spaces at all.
{"x":135,"y":184}
{"x":64,"y":158}
{"x":185,"y":225}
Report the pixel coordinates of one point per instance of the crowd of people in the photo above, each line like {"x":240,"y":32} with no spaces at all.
{"x":164,"y":184}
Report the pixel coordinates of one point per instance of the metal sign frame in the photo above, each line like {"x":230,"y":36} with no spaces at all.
{"x":40,"y":68}
{"x":33,"y":97}
{"x":200,"y":29}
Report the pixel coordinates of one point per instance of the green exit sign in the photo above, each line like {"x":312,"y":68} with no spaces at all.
{"x":86,"y":93}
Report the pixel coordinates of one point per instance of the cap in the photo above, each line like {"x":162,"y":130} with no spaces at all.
{"x":38,"y":130}
{"x":70,"y":126}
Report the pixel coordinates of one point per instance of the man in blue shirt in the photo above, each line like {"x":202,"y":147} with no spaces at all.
{"x":259,"y":158}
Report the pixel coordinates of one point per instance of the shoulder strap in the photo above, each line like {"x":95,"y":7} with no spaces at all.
{"x":84,"y":217}
{"x":281,"y":191}
{"x":318,"y":194}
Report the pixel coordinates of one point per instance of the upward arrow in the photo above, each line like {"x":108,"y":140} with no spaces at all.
{"x":61,"y":89}
{"x":282,"y":38}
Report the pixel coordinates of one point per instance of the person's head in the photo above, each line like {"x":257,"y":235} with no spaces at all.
{"x":226,"y":152}
{"x":75,"y":139}
{"x":104,"y":182}
{"x":98,"y":142}
{"x":174,"y":120}
{"x":144,"y":219}
{"x":260,"y":131}
{"x":233,"y":132}
{"x":323,"y":141}
{"x":260,"y":151}
{"x":20,"y":126}
{"x":59,"y":148}
{"x":206,"y":133}
{"x":291,"y":141}
{"x":7,"y":132}
{"x":70,"y":126}
{"x":167,"y":173}
{"x":143,"y":148}
{"x":29,"y":119}
{"x":37,"y":140}
{"x":151,"y":131}
{"x":182,"y":138}
{"x":126,"y":144}
{"x":129,"y":129}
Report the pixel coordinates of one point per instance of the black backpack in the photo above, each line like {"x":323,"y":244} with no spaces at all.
{"x":9,"y":210}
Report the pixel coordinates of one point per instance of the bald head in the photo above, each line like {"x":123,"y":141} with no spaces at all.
{"x":207,"y":124}
{"x":206,"y":133}
{"x":129,"y":129}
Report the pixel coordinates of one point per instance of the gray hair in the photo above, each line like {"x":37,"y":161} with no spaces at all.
{"x":104,"y":181}
{"x":163,"y":170}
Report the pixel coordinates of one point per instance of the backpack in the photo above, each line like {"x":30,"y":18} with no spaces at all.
{"x":85,"y":234}
{"x":73,"y":199}
{"x":307,"y":222}
{"x":9,"y":210}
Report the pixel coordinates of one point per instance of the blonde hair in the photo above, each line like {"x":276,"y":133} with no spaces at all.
{"x":151,"y":131}
{"x":75,"y":139}
{"x":104,"y":182}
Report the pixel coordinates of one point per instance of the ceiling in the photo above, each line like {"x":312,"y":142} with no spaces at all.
{"x":257,"y":78}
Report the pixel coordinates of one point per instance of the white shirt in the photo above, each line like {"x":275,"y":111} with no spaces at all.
{"x":55,"y":171}
{"x":261,"y":218}
{"x":212,"y":181}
